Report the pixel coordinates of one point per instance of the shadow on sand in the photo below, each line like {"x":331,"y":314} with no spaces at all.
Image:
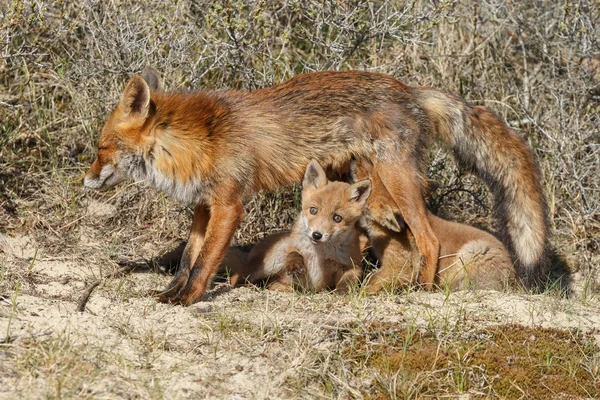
{"x":559,"y":280}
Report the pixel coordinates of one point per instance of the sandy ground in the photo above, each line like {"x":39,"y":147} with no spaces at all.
{"x":237,"y":343}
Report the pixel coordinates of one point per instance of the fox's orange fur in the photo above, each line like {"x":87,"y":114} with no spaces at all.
{"x":214,"y":150}
{"x":469,"y":257}
{"x":323,"y":250}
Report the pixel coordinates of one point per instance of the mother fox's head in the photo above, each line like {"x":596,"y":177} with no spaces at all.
{"x":121,"y":144}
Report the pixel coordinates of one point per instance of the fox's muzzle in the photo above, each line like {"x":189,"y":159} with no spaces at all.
{"x":318,"y":237}
{"x":108,"y":177}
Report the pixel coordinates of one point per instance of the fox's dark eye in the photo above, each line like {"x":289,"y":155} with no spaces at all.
{"x":337,"y":218}
{"x":313,"y":210}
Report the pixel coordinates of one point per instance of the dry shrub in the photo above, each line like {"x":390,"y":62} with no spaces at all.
{"x":63,"y":65}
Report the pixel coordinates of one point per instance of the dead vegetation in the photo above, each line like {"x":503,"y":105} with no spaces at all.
{"x":62,"y":67}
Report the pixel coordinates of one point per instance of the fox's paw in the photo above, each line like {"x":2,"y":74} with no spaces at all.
{"x":295,"y":269}
{"x":280,"y":287}
{"x":294,"y":264}
{"x":374,"y":286}
{"x":428,"y":287}
{"x":194,"y":288}
{"x":178,"y":283}
{"x":235,"y":280}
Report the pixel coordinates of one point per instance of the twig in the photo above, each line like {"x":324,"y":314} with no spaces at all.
{"x":86,"y":296}
{"x":71,"y":223}
{"x":448,"y":192}
{"x":90,"y":288}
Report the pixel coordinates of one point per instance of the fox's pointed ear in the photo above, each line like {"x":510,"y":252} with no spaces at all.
{"x":360,"y":191}
{"x":390,"y":220}
{"x":152,"y":78}
{"x":135,"y":100}
{"x":314,"y":176}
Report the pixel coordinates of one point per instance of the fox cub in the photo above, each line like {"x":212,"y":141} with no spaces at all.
{"x":469,"y":257}
{"x":322,"y":251}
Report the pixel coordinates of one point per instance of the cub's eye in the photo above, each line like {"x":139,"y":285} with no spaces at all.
{"x":337,"y":218}
{"x":313,"y":210}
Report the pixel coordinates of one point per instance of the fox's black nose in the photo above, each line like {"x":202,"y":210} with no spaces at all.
{"x":317,"y":235}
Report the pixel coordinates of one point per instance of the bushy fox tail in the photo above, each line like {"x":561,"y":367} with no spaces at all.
{"x":495,"y":153}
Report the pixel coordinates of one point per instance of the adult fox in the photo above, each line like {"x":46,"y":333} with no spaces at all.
{"x":214,"y":150}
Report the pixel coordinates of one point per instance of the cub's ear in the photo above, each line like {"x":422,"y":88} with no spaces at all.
{"x":359,"y":191}
{"x":152,"y":78}
{"x":135,"y":100}
{"x":314,"y":176}
{"x":391,"y":221}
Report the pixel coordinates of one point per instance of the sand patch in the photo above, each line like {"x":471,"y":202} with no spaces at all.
{"x":239,"y":343}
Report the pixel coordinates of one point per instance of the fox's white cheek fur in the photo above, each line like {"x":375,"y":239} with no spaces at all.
{"x":326,"y":237}
{"x":304,"y":224}
{"x":98,"y":182}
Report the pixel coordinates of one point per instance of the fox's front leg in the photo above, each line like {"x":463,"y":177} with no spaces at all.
{"x":224,"y":220}
{"x":292,"y":274}
{"x":192,"y":249}
{"x":405,"y":189}
{"x":293,"y":270}
{"x":294,"y":264}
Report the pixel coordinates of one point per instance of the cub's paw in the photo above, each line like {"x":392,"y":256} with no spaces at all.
{"x":294,"y":265}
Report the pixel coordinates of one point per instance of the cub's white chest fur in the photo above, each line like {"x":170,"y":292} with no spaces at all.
{"x":318,"y":256}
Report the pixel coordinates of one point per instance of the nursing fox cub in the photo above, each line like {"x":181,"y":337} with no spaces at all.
{"x":469,"y":257}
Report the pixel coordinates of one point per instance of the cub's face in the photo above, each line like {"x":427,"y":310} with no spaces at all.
{"x":330,"y":208}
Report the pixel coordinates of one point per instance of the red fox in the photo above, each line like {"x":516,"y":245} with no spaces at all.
{"x":214,"y":150}
{"x":323,"y":250}
{"x":469,"y":257}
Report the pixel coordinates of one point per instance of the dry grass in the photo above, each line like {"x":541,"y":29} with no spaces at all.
{"x":62,"y":68}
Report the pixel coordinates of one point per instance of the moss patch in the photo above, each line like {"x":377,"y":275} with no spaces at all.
{"x":508,"y":361}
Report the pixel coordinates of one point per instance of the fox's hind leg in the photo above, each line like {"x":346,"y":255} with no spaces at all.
{"x":236,"y":264}
{"x":401,"y":180}
{"x":391,"y":276}
{"x":348,"y":278}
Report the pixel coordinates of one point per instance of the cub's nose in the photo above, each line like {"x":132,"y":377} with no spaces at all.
{"x":317,"y":235}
